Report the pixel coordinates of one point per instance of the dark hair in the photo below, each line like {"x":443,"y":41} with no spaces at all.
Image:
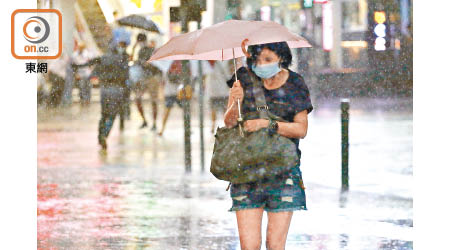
{"x":280,"y":48}
{"x":141,"y":37}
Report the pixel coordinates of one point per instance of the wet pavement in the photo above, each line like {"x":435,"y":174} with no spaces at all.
{"x":138,"y":196}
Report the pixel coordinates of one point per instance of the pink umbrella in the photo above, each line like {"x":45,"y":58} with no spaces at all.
{"x":223,"y":41}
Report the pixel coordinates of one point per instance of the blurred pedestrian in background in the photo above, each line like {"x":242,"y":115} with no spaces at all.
{"x":216,"y":88}
{"x":81,"y":56}
{"x":111,"y":70}
{"x":150,"y":79}
{"x":56,"y":76}
{"x":120,"y":35}
{"x":172,"y":85}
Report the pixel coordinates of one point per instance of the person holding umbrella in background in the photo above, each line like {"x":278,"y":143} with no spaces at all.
{"x":151,"y":76}
{"x":150,"y":79}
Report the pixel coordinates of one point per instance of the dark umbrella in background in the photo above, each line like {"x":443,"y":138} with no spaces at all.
{"x":140,"y":22}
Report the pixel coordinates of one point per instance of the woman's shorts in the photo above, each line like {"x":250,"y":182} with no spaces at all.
{"x":171,"y":100}
{"x":284,"y":192}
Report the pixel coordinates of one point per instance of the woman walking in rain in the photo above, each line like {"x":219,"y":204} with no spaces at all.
{"x":287,"y":96}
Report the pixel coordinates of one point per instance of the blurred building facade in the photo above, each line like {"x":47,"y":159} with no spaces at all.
{"x":365,"y":43}
{"x":362,"y":44}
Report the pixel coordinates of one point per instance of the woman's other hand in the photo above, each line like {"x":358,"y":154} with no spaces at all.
{"x":255,"y":125}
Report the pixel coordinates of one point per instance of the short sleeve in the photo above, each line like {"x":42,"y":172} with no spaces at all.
{"x":301,"y":96}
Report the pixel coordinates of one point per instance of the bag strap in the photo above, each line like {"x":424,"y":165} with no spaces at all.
{"x":260,"y":100}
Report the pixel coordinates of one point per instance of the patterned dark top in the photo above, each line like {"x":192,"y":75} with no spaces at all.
{"x":285,"y":101}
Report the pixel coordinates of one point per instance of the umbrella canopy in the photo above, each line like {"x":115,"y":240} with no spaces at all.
{"x":139,"y":22}
{"x":223,"y":41}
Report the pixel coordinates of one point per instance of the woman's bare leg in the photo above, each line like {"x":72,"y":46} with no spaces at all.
{"x":166,"y":115}
{"x":249,"y":225}
{"x":155,"y":113}
{"x":277,"y":229}
{"x":141,"y":109}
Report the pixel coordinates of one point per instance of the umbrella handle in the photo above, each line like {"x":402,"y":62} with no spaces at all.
{"x":240,"y":120}
{"x":245,"y":41}
{"x":235,"y":76}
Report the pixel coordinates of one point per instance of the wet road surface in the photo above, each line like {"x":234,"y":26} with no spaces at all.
{"x":138,"y":196}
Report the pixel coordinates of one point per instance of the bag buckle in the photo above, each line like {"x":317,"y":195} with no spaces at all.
{"x":259,"y":108}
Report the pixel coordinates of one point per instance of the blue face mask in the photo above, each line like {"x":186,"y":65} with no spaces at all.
{"x":266,"y":71}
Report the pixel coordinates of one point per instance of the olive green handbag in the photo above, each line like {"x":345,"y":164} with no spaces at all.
{"x":242,"y":157}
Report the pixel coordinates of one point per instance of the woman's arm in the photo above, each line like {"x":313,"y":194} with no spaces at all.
{"x":232,"y":113}
{"x":296,"y":129}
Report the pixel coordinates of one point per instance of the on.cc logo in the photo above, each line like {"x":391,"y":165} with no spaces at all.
{"x":36,"y":34}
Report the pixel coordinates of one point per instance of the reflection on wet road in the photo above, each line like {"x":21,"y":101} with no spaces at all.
{"x":138,"y":196}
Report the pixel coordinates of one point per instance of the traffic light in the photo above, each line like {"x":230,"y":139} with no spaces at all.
{"x":380,"y":30}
